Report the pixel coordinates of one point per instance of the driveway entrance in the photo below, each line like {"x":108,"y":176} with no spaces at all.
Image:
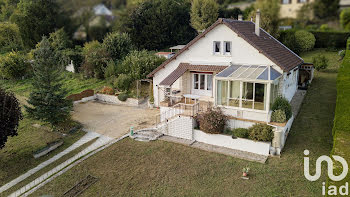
{"x":113,"y":120}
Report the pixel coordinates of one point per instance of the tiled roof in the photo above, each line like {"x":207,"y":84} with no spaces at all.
{"x":265,"y":44}
{"x":183,"y":67}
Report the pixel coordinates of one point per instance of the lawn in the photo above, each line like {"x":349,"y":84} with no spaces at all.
{"x":73,"y":83}
{"x":159,"y":168}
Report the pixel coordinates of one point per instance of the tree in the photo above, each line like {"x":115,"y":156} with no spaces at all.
{"x":36,"y":18}
{"x":203,"y":14}
{"x":305,"y":14}
{"x":59,"y":40}
{"x":10,"y":39}
{"x":10,"y":115}
{"x":95,"y":59}
{"x":138,"y":64}
{"x":230,"y":13}
{"x":325,"y":9}
{"x":345,"y":19}
{"x":157,"y":24}
{"x":47,"y":100}
{"x":7,"y":8}
{"x":13,"y":66}
{"x":270,"y":10}
{"x":118,"y":45}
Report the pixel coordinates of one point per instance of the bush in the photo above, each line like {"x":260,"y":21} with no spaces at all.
{"x":212,"y":121}
{"x":111,"y":69}
{"x":278,"y":116}
{"x":108,"y":90}
{"x":95,"y":60}
{"x":123,"y":82}
{"x":261,"y":132}
{"x":13,"y":66}
{"x":123,"y":97}
{"x":320,"y":62}
{"x":342,"y":54}
{"x":118,"y":45}
{"x":282,"y":104}
{"x":288,"y":39}
{"x":241,"y":132}
{"x":305,"y":40}
{"x":10,"y":38}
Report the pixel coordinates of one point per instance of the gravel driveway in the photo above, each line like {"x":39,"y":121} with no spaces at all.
{"x":113,"y":120}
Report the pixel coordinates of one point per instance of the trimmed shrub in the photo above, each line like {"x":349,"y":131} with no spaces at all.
{"x":282,"y":104}
{"x":108,"y":90}
{"x":261,"y":132}
{"x":241,"y":132}
{"x":278,"y":116}
{"x":13,"y":66}
{"x":288,"y":39}
{"x":123,"y":97}
{"x":123,"y":82}
{"x":320,"y":62}
{"x":305,"y":40}
{"x":212,"y":121}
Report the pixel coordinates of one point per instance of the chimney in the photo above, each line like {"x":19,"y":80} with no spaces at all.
{"x":257,"y":23}
{"x":240,"y":17}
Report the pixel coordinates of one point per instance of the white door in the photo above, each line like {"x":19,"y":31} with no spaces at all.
{"x":202,"y":84}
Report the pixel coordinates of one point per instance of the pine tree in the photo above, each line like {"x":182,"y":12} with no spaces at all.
{"x":47,"y":99}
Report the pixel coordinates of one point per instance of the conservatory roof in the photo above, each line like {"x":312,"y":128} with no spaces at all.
{"x":252,"y":72}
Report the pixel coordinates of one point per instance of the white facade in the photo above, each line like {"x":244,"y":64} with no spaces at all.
{"x":242,"y":53}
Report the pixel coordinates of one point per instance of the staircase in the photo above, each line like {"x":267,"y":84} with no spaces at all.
{"x":146,"y":135}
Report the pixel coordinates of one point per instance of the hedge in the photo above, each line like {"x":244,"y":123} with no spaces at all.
{"x":324,"y":39}
{"x":341,"y":128}
{"x":330,"y":39}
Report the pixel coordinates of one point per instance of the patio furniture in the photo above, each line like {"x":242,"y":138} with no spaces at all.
{"x":191,"y":96}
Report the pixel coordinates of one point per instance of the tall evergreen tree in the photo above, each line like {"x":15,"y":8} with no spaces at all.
{"x":47,"y":100}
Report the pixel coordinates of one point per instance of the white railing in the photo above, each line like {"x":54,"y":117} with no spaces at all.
{"x":178,"y":109}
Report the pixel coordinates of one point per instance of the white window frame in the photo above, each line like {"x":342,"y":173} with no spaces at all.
{"x":214,"y":47}
{"x":199,"y":81}
{"x":227,"y":53}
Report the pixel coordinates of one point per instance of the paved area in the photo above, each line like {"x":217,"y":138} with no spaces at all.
{"x":86,"y":138}
{"x":297,"y":101}
{"x":217,"y":149}
{"x":113,"y":120}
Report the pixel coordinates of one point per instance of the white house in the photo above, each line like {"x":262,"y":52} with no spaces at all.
{"x":234,"y":65}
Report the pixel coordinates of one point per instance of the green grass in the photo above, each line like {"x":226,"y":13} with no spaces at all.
{"x":333,"y":57}
{"x":341,"y":129}
{"x":159,"y":168}
{"x":73,"y":83}
{"x":47,"y":168}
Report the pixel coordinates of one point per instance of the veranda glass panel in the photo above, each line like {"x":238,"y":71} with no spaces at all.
{"x":260,"y":96}
{"x":222,"y":88}
{"x":247,"y":97}
{"x":234,"y":93}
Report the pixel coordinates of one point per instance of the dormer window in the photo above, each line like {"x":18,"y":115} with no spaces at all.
{"x":227,"y":46}
{"x":217,"y":47}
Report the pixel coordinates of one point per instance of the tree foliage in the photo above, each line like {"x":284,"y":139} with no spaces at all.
{"x":325,"y":9}
{"x":138,"y":64}
{"x":36,"y":18}
{"x":10,"y":38}
{"x":47,"y":100}
{"x":95,"y":60}
{"x":7,"y":8}
{"x":345,"y":19}
{"x":270,"y":10}
{"x":118,"y":45}
{"x":157,"y":24}
{"x":13,"y":66}
{"x":203,"y":14}
{"x":10,"y":115}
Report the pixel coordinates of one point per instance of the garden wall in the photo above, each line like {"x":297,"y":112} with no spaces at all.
{"x":114,"y":100}
{"x":261,"y":148}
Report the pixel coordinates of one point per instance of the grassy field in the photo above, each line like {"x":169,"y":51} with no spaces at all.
{"x":131,"y":168}
{"x":73,"y":83}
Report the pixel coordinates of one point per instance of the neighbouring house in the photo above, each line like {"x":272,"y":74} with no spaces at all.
{"x":344,"y":4}
{"x":290,"y":8}
{"x":234,"y":65}
{"x":167,"y":55}
{"x":102,"y":10}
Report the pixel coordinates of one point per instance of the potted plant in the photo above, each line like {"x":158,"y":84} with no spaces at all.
{"x":245,"y":171}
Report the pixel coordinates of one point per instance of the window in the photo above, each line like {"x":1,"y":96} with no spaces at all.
{"x":217,"y":47}
{"x":209,"y":82}
{"x":227,"y":48}
{"x":202,"y":82}
{"x":286,"y":1}
{"x":302,"y":1}
{"x":235,"y":91}
{"x":196,"y":81}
